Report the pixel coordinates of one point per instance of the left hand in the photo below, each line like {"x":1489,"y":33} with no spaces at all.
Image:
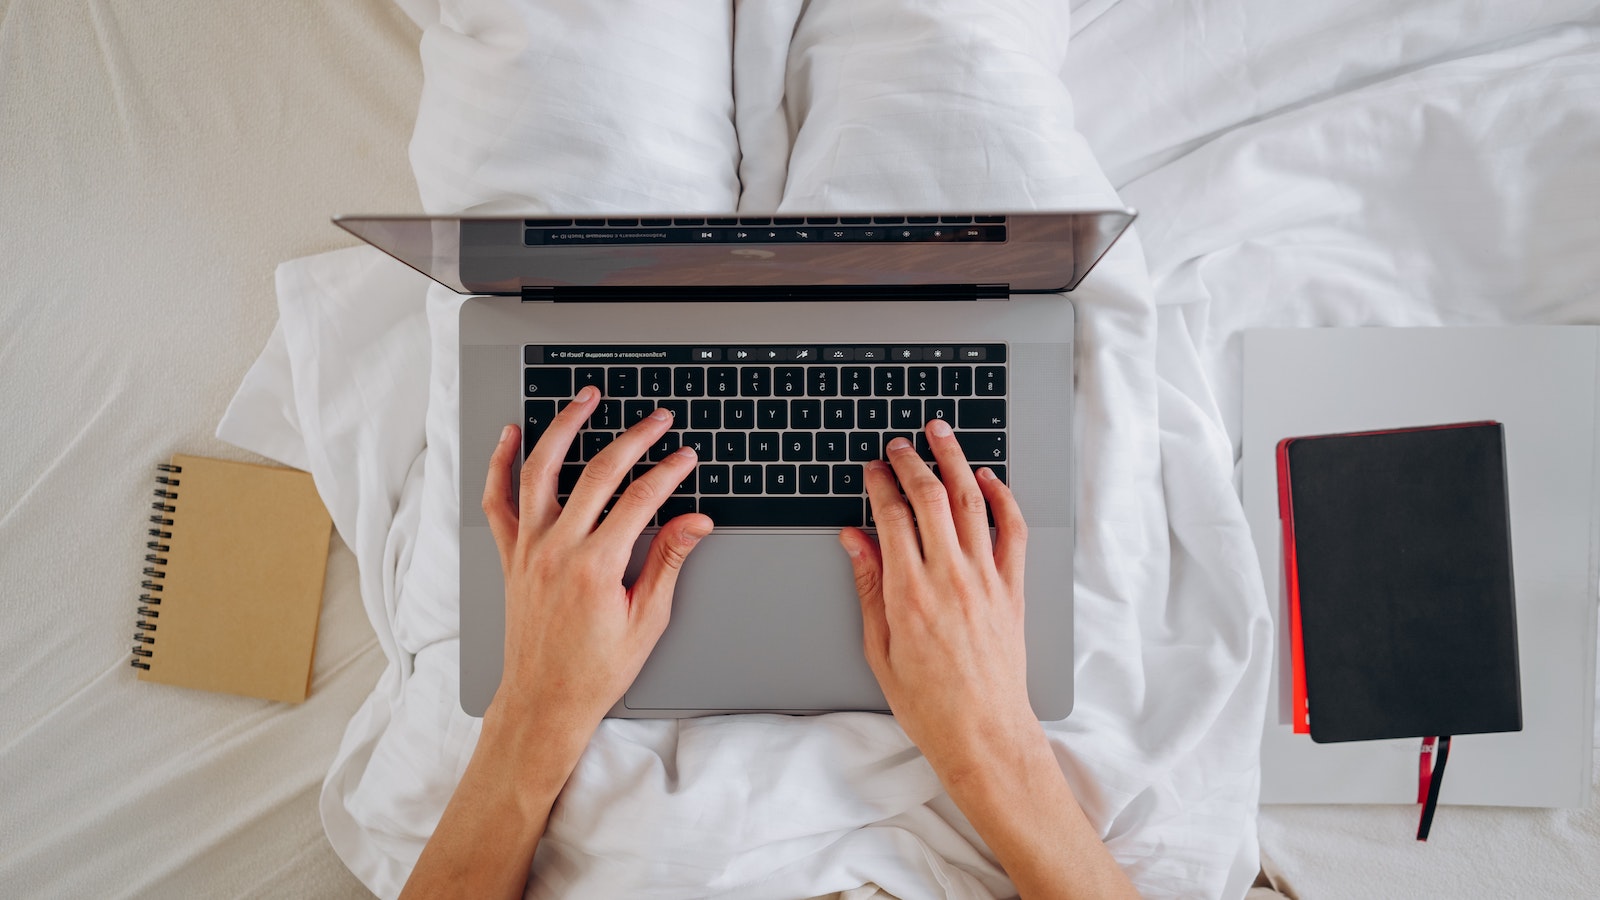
{"x":576,"y":636}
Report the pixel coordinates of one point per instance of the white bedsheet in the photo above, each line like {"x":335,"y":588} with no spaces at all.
{"x":1363,"y":163}
{"x":1172,"y":636}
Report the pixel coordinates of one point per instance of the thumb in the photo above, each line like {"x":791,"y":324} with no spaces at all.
{"x":866,"y":560}
{"x":652,"y":590}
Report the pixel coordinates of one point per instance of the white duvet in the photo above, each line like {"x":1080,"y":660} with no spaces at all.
{"x":1258,"y":141}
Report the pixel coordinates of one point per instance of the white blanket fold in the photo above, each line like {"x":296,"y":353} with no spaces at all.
{"x":562,"y":108}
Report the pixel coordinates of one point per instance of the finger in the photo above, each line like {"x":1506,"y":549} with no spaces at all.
{"x":867,"y":564}
{"x":543,"y":465}
{"x":928,"y":499}
{"x":643,"y":499}
{"x":966,"y":500}
{"x":1011,"y":532}
{"x":499,"y":500}
{"x":603,"y":475}
{"x":897,"y":534}
{"x":652,"y":590}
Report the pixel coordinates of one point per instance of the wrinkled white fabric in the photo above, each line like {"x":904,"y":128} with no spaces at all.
{"x":561,"y":108}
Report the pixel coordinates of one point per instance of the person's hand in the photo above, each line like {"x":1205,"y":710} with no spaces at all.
{"x":576,"y":636}
{"x":942,"y":606}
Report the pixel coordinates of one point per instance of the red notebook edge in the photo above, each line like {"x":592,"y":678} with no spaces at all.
{"x":1299,"y":713}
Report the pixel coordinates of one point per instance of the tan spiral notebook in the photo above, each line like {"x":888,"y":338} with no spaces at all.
{"x":232,"y":579}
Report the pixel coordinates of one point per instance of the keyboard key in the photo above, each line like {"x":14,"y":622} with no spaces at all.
{"x":956,"y":381}
{"x":764,"y":447}
{"x":755,"y":381}
{"x":840,"y":414}
{"x":739,"y":413}
{"x":634,"y":411}
{"x":679,"y":410}
{"x":607,"y":416}
{"x":982,"y":414}
{"x":673,"y":508}
{"x":870,"y":354}
{"x":703,"y":443}
{"x":972,"y":354}
{"x":991,"y":381}
{"x":687,"y":485}
{"x":832,"y":446}
{"x":780,"y":479}
{"x":789,"y":381}
{"x":939,"y":409}
{"x":905,"y":414}
{"x":772,"y":414}
{"x":872,"y":414}
{"x":730,"y":446}
{"x":656,"y":382}
{"x":550,"y":383}
{"x":923,"y":449}
{"x":746,"y":480}
{"x":567,"y":478}
{"x":905,"y":354}
{"x":794,"y":512}
{"x":864,"y":446}
{"x":848,"y":480}
{"x":982,"y":447}
{"x":594,"y":442}
{"x":891,"y":435}
{"x":705,"y":414}
{"x":938,"y":354}
{"x":813,"y":479}
{"x":536,"y":416}
{"x":714,"y":478}
{"x":998,"y":470}
{"x":722,"y":381}
{"x":889,"y":381}
{"x":822,"y":381}
{"x":663,"y":448}
{"x":797,"y":446}
{"x":923,"y":381}
{"x":587,"y":375}
{"x":622,"y":381}
{"x":857,"y":381}
{"x":838,"y":354}
{"x":805,"y":413}
{"x":688,"y":381}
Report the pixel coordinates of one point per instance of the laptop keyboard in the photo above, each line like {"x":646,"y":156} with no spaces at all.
{"x":783,"y":432}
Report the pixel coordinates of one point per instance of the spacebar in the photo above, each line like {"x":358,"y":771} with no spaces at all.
{"x":810,"y":512}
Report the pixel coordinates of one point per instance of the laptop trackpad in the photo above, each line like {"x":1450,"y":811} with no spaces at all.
{"x":760,"y":622}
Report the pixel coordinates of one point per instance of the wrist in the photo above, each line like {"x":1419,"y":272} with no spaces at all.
{"x":533,"y":754}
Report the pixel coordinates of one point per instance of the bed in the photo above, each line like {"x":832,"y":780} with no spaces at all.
{"x":1352,"y":165}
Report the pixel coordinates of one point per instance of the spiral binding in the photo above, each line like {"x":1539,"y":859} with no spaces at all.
{"x":154,"y":574}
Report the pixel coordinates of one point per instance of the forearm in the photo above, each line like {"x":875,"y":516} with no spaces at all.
{"x":483,"y":846}
{"x":1021,"y":804}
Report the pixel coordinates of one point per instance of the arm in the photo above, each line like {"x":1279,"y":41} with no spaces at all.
{"x":942,"y":610}
{"x":576,"y":637}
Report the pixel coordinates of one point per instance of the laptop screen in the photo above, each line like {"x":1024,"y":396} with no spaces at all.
{"x":1020,"y":252}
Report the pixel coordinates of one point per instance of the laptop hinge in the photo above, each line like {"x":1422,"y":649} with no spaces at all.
{"x":744,"y":293}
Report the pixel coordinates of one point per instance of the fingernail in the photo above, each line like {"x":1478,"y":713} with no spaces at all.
{"x":877,"y":465}
{"x":939,"y":427}
{"x":588,"y":393}
{"x":899,"y":443}
{"x":506,"y":434}
{"x":686,"y":451}
{"x":689,"y":538}
{"x":985,"y":473}
{"x":662,"y":414}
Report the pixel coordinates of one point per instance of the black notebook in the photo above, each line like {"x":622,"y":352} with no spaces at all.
{"x":1398,"y":557}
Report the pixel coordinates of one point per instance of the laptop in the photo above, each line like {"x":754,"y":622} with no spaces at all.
{"x":791,"y":349}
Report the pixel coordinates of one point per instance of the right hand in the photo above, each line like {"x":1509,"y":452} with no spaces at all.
{"x":942,"y":605}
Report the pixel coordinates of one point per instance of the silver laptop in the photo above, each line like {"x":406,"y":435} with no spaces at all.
{"x":792,"y":350}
